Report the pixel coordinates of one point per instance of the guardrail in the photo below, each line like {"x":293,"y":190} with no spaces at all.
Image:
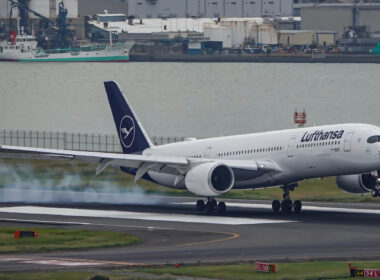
{"x":71,"y":141}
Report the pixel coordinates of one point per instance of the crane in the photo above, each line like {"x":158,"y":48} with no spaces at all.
{"x":60,"y":38}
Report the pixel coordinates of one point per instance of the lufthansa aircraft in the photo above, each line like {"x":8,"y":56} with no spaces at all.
{"x":214,"y":166}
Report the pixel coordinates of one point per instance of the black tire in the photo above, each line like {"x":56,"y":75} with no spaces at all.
{"x":221,"y":208}
{"x":297,"y":206}
{"x":209,"y":207}
{"x":200,"y":205}
{"x":276,"y":205}
{"x":375,"y":193}
{"x":286,"y":206}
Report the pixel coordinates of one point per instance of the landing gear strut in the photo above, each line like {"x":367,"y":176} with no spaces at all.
{"x":211,"y":206}
{"x":287,"y":205}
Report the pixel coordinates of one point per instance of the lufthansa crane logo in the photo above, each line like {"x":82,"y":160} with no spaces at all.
{"x":127,"y":131}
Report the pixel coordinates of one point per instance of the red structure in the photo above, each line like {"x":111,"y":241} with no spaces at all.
{"x":299,"y":118}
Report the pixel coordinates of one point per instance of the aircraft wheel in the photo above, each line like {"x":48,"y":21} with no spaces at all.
{"x":375,"y":193}
{"x":200,"y":205}
{"x":209,"y":207}
{"x":221,"y":208}
{"x":276,"y":205}
{"x":297,"y":206}
{"x":286,"y":206}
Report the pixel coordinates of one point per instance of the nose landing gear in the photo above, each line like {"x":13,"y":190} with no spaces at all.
{"x":211,"y":206}
{"x":287,"y":205}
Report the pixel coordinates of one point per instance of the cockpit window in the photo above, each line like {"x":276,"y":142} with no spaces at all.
{"x":373,"y":139}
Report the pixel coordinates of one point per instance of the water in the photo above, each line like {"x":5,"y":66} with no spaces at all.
{"x":193,"y":99}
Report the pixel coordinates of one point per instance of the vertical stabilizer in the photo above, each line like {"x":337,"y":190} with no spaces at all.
{"x":133,"y":138}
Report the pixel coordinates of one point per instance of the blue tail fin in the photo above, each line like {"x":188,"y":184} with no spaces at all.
{"x":133,"y":138}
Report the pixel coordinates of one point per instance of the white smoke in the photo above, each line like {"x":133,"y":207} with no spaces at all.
{"x":21,"y":183}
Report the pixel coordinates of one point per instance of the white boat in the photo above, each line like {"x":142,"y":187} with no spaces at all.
{"x":23,"y":47}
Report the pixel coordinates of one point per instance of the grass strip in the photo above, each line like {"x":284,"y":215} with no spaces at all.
{"x":51,"y":239}
{"x":300,"y":271}
{"x":61,"y":275}
{"x":329,"y":270}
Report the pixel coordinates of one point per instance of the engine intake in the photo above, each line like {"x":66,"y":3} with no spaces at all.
{"x":210,"y":179}
{"x":359,"y":183}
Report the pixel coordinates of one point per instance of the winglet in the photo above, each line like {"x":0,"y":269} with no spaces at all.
{"x":133,"y":138}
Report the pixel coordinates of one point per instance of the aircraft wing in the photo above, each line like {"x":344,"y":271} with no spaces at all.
{"x":143,"y":163}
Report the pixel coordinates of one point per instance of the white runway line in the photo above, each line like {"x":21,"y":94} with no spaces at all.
{"x":139,"y":215}
{"x":312,"y":208}
{"x":44,"y":222}
{"x":62,"y":263}
{"x":57,"y":262}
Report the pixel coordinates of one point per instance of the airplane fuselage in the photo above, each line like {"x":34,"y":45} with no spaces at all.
{"x":299,"y":154}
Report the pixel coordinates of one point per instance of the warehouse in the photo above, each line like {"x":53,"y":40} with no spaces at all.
{"x":338,"y":17}
{"x":209,"y":9}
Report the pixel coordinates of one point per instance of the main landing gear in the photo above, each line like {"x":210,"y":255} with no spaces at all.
{"x":211,"y":206}
{"x":287,"y":205}
{"x":376,"y":191}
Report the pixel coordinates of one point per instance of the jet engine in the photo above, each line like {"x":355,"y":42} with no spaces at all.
{"x":359,"y":183}
{"x":209,"y":179}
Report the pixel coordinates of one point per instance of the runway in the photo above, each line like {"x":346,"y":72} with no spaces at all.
{"x":174,"y":232}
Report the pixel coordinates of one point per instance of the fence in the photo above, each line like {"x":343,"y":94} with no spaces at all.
{"x":71,"y":141}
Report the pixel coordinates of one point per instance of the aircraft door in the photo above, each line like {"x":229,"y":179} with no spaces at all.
{"x":208,"y":152}
{"x":291,"y":146}
{"x":347,"y":142}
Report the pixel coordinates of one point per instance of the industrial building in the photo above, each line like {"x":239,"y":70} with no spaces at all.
{"x":338,"y":17}
{"x":91,"y":7}
{"x":357,"y":25}
{"x":209,"y":8}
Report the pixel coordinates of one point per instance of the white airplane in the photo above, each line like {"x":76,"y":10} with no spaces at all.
{"x":214,"y":166}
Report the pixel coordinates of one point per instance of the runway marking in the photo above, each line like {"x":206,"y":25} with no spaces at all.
{"x":312,"y":208}
{"x":80,"y":223}
{"x":65,"y":261}
{"x":62,"y":262}
{"x":43,"y":222}
{"x":139,"y":215}
{"x":233,"y":236}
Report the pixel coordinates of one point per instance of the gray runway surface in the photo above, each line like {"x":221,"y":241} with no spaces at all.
{"x":174,"y":232}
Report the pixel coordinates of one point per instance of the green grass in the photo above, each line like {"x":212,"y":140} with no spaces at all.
{"x":62,"y":275}
{"x":50,"y":239}
{"x":307,"y":271}
{"x":332,"y":270}
{"x":78,"y":176}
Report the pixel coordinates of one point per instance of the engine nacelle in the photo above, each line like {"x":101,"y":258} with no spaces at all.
{"x":210,"y":179}
{"x":359,"y":183}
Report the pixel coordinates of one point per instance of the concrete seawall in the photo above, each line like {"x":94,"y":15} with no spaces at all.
{"x":272,"y":58}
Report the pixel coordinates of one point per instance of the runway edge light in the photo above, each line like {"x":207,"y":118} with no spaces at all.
{"x":265,"y":267}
